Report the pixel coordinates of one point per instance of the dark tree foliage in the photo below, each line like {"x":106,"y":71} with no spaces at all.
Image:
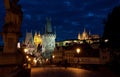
{"x":112,"y":28}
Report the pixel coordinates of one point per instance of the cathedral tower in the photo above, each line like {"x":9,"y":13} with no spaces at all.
{"x":48,"y":40}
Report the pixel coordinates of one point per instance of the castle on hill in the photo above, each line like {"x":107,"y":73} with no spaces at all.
{"x":46,"y":43}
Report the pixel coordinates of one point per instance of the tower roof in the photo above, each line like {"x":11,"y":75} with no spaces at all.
{"x":48,"y":27}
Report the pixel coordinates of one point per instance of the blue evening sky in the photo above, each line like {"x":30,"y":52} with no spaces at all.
{"x":69,"y":17}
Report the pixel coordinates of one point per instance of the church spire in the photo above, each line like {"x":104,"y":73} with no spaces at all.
{"x":79,"y":37}
{"x":48,"y":28}
{"x":84,"y":30}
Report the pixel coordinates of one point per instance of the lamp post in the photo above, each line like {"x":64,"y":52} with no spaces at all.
{"x":53,"y":58}
{"x":78,"y":51}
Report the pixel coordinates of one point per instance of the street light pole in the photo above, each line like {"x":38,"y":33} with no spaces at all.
{"x":78,"y":51}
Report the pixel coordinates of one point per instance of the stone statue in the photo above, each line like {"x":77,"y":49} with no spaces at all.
{"x":11,"y":29}
{"x":13,"y":18}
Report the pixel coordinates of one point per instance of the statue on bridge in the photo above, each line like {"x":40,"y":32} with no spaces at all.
{"x":14,"y":15}
{"x":11,"y":28}
{"x":13,"y":58}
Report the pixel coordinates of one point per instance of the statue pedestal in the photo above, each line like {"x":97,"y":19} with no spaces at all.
{"x":12,"y":65}
{"x":10,"y":54}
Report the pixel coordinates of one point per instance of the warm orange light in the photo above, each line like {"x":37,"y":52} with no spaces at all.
{"x":29,"y":59}
{"x":25,"y":50}
{"x":53,"y":56}
{"x":78,"y":50}
{"x":35,"y":61}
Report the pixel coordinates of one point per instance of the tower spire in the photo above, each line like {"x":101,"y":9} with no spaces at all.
{"x":84,"y":30}
{"x":48,"y":27}
{"x":79,"y":37}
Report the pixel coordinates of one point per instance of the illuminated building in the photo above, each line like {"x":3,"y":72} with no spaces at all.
{"x":37,"y":39}
{"x":83,"y":37}
{"x":29,"y":42}
{"x":79,"y":37}
{"x":87,"y":55}
{"x":86,"y":36}
{"x":48,"y":40}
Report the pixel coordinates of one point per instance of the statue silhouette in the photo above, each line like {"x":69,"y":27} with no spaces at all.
{"x":14,"y":15}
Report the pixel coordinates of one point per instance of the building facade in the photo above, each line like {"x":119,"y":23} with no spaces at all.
{"x":29,"y":43}
{"x":37,"y":39}
{"x":48,"y":40}
{"x":87,"y":55}
{"x":45,"y":43}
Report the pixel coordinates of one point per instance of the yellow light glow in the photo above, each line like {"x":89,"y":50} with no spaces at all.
{"x":78,"y":50}
{"x":53,"y":56}
{"x":29,"y":59}
{"x":46,"y":60}
{"x":35,"y":61}
{"x":25,"y":50}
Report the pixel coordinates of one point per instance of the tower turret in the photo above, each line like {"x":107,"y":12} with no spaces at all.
{"x":48,"y":27}
{"x":48,"y":40}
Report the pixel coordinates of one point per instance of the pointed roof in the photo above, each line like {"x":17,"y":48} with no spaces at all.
{"x":39,"y":34}
{"x":29,"y":38}
{"x":35,"y":33}
{"x":79,"y":36}
{"x":48,"y":27}
{"x":84,"y":30}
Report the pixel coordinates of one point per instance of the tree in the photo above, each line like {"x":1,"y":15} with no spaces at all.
{"x":111,"y":28}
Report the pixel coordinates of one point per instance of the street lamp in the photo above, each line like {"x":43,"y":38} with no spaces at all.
{"x":25,"y":50}
{"x":78,"y":51}
{"x":53,"y":58}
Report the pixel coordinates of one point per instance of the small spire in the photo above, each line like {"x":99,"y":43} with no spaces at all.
{"x":35,"y":33}
{"x":89,"y":33}
{"x":79,"y":37}
{"x":84,"y":30}
{"x":39,"y":33}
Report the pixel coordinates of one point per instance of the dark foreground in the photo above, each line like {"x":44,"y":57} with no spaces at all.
{"x":52,"y":71}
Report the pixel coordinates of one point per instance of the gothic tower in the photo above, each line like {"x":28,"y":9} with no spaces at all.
{"x":37,"y":39}
{"x":29,"y":42}
{"x":48,"y":40}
